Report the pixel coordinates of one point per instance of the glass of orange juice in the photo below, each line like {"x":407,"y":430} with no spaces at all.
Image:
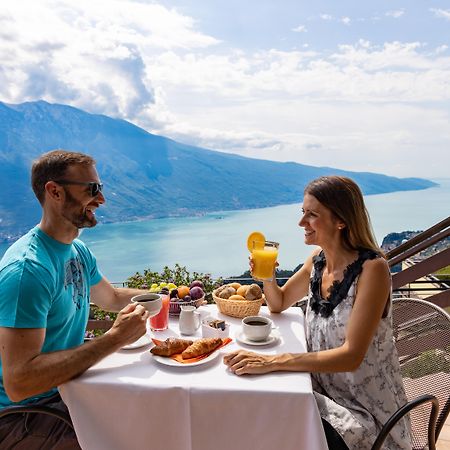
{"x":264,"y":256}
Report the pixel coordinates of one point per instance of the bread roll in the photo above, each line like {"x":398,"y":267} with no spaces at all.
{"x":227,"y":292}
{"x":220,"y":289}
{"x":236,"y":297}
{"x":243,"y":290}
{"x":254,"y":292}
{"x":235,"y":285}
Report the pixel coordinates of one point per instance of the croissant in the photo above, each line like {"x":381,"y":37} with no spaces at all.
{"x":171,"y":346}
{"x":201,"y":347}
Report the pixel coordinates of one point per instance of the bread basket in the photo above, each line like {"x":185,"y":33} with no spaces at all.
{"x":238,"y":308}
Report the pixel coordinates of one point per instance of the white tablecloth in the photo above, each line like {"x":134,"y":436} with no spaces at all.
{"x":129,"y":401}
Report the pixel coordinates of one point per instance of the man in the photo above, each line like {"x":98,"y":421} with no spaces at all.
{"x":47,"y":279}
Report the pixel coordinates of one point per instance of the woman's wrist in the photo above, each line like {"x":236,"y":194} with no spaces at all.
{"x":285,"y":362}
{"x":270,"y":283}
{"x":276,"y":362}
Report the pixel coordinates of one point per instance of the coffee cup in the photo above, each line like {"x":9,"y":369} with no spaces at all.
{"x":256,"y":328}
{"x":151,"y":302}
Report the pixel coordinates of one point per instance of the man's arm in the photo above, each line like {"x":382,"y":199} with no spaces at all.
{"x":110,"y":298}
{"x":28,"y":372}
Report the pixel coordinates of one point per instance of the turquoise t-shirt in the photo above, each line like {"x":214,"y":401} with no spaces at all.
{"x":46,"y":284}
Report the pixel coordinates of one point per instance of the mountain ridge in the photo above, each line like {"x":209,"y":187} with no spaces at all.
{"x":147,"y":175}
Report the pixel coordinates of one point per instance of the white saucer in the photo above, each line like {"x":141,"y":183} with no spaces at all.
{"x":141,"y":342}
{"x":171,"y":362}
{"x":240,"y":337}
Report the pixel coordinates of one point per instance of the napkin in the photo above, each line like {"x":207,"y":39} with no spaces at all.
{"x":177,"y":357}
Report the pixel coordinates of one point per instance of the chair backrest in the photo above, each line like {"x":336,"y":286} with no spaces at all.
{"x":422,"y":333}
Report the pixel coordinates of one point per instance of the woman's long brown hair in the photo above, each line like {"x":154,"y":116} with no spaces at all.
{"x":343,"y":197}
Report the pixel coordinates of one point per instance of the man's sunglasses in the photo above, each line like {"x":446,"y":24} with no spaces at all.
{"x":95,"y":188}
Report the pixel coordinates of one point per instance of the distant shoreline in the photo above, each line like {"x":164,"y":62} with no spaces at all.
{"x":204,"y":244}
{"x":10,"y":237}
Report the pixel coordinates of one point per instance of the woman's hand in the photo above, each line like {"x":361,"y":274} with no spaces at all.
{"x":242,"y":362}
{"x":252,"y":266}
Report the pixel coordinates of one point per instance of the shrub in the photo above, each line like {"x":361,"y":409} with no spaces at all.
{"x":178,"y":275}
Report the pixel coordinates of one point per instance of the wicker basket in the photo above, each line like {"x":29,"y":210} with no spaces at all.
{"x":238,"y":308}
{"x":174,"y":307}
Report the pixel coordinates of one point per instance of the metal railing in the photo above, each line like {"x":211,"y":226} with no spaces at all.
{"x":421,"y":271}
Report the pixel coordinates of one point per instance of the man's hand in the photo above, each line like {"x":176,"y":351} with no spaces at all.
{"x":130,"y":324}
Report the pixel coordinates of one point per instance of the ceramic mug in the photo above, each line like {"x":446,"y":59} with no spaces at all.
{"x":256,"y":328}
{"x":150,"y":301}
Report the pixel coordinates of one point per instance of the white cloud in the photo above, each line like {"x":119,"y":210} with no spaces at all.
{"x":364,"y":106}
{"x":396,"y":13}
{"x":388,"y":138}
{"x":90,"y":54}
{"x":329,"y":18}
{"x":300,"y":29}
{"x":361,"y":72}
{"x":407,"y":58}
{"x":372,"y":100}
{"x":441,"y":13}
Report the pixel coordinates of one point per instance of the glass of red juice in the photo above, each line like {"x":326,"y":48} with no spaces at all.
{"x":160,"y":322}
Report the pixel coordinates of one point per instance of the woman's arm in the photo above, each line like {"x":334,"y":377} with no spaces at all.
{"x":373,"y":291}
{"x":278,"y":299}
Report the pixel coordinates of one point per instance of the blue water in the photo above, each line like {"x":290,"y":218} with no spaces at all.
{"x":216,"y":243}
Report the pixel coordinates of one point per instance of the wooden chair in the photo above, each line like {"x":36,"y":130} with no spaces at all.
{"x":422,"y":333}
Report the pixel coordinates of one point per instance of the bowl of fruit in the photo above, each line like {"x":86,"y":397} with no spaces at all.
{"x":194,"y":294}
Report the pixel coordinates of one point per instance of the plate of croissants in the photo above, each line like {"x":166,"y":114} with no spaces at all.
{"x":185,"y":352}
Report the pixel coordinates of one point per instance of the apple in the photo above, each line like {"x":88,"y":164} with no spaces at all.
{"x":196,"y":292}
{"x":197,"y":283}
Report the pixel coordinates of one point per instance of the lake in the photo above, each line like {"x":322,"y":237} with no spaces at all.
{"x":216,"y":242}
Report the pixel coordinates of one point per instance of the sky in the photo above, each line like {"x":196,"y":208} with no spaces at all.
{"x":356,"y":85}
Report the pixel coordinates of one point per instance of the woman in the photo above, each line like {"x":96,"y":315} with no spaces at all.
{"x":351,"y":353}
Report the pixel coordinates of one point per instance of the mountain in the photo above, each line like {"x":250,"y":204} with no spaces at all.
{"x":145,"y":175}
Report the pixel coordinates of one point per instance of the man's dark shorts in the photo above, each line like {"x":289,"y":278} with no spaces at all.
{"x":30,"y":431}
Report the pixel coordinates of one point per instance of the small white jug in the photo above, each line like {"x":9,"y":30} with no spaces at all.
{"x":189,"y":320}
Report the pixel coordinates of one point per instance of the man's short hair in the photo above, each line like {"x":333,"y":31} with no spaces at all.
{"x":53,"y":165}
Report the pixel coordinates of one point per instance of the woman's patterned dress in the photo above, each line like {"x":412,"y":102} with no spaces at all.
{"x":357,"y":403}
